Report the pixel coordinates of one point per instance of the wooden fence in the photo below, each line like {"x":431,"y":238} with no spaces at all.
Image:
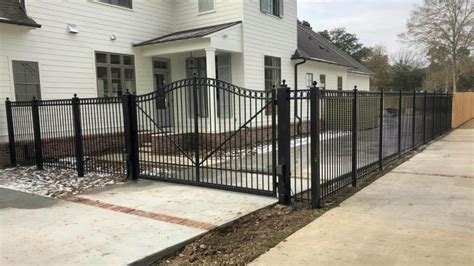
{"x":463,"y":108}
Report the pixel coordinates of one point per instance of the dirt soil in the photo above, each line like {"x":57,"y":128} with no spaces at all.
{"x":250,"y":236}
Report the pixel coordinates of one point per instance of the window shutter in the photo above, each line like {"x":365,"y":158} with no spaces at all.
{"x":280,"y":5}
{"x":264,"y":6}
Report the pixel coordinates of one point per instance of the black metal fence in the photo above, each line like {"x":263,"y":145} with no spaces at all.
{"x":298,"y":144}
{"x":344,"y":135}
{"x":195,"y":131}
{"x":79,"y":134}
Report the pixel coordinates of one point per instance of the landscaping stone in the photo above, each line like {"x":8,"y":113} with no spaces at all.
{"x":54,"y":182}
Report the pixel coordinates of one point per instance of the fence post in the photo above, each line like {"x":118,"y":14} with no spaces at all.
{"x":354,"y":136}
{"x":78,"y":146}
{"x":400,"y":124}
{"x":315,"y":96}
{"x":196,"y":129}
{"x":433,"y":111}
{"x":413,"y":120}
{"x":381,"y":130}
{"x":11,"y":132}
{"x":37,"y":134}
{"x":284,"y":170}
{"x":129,"y":104}
{"x":424,"y":116}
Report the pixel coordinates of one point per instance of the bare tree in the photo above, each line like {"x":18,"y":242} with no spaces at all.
{"x":444,"y":24}
{"x":408,"y":57}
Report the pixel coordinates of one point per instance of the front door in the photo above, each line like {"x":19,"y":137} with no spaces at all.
{"x":161,"y":77}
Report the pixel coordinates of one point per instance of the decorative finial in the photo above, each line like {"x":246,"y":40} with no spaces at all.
{"x":315,"y":83}
{"x":75,"y":95}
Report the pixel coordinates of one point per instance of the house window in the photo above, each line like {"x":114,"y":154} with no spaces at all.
{"x":309,"y":80}
{"x":225,"y":99}
{"x":115,"y":74}
{"x":272,"y":7}
{"x":339,"y":83}
{"x":122,"y":3}
{"x":206,"y":5}
{"x":272,"y":75}
{"x":26,"y":80}
{"x":322,"y":81}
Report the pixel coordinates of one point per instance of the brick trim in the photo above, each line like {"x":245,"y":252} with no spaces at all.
{"x":140,"y":213}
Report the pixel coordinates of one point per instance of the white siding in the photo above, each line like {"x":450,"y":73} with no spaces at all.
{"x":66,"y":61}
{"x":361,"y":81}
{"x":186,"y":15}
{"x":331,"y":72}
{"x":268,"y":35}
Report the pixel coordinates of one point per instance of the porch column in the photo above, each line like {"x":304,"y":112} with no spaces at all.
{"x":211,"y":73}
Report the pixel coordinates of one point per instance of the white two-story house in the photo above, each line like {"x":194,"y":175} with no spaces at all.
{"x":54,"y":48}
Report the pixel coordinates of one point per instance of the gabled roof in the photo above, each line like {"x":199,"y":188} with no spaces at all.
{"x":313,"y":46}
{"x":188,"y":34}
{"x":12,"y":12}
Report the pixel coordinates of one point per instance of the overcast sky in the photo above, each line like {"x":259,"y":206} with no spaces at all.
{"x":374,"y":21}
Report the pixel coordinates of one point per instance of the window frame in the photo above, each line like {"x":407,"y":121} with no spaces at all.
{"x":340,"y":88}
{"x":309,"y":82}
{"x":268,"y":111}
{"x":109,"y":66}
{"x":106,"y":2}
{"x":322,"y":84}
{"x":207,"y":11}
{"x":15,"y":82}
{"x":277,"y":11}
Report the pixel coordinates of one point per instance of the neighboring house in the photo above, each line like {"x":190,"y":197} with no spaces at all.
{"x":96,"y":48}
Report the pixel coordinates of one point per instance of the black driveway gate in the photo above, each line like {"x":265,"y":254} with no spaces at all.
{"x":217,"y":135}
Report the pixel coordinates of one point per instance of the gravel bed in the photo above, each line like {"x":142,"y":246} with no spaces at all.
{"x":53,"y":182}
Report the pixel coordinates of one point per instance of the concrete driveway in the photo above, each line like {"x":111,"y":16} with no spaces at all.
{"x":421,"y":213}
{"x":124,"y":224}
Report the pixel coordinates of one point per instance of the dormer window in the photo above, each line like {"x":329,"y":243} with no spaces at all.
{"x":121,"y":3}
{"x":272,"y":7}
{"x":205,"y":6}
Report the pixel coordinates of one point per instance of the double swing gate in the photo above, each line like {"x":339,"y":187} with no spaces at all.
{"x":303,"y":145}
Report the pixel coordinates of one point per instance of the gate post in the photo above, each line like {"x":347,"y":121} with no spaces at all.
{"x":78,"y":147}
{"x":381,"y":130}
{"x":284,"y":170}
{"x":315,"y":96}
{"x":355,"y":120}
{"x":400,"y":124}
{"x":433,"y":111}
{"x":11,"y":132}
{"x":424,"y":116}
{"x":129,"y":104}
{"x":413,"y":120}
{"x":37,"y":134}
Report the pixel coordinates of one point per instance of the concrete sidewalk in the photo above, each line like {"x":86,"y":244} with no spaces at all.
{"x":421,"y":213}
{"x":117,"y":225}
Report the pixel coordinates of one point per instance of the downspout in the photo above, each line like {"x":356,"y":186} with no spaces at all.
{"x":298,"y":127}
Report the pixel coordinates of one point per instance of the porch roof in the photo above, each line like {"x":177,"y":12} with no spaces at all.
{"x":188,"y":34}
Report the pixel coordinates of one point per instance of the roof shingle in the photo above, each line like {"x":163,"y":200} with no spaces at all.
{"x":313,"y":46}
{"x":188,"y":34}
{"x":12,"y":12}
